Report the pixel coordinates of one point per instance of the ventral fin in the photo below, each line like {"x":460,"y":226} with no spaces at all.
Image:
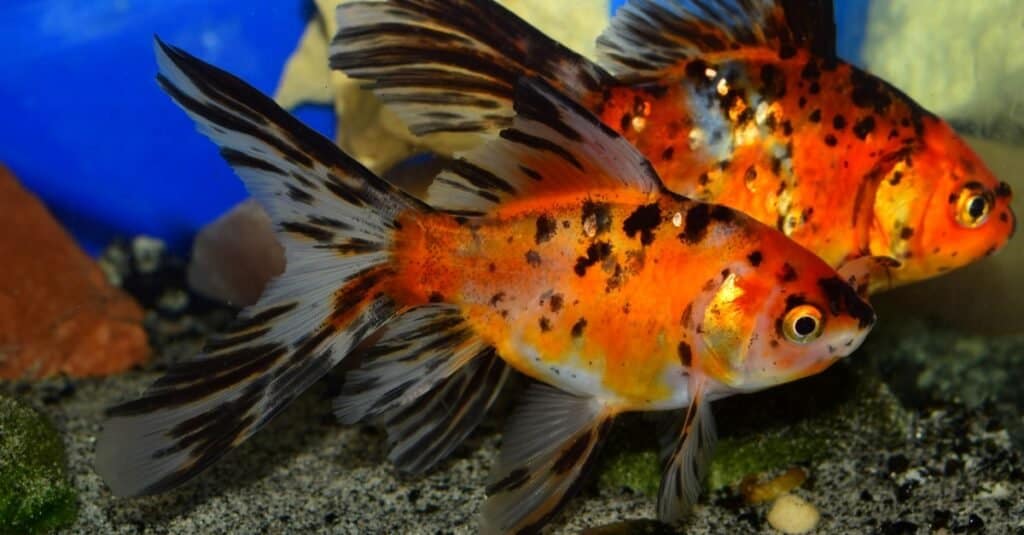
{"x":554,"y":147}
{"x":688,"y":463}
{"x":869,"y":274}
{"x":648,"y":37}
{"x":417,"y":350}
{"x":548,"y":445}
{"x":424,"y":432}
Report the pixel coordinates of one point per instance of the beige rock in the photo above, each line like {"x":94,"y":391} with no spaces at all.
{"x":58,"y":313}
{"x":793,"y":515}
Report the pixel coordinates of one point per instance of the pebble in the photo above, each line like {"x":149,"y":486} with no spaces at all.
{"x":793,"y":515}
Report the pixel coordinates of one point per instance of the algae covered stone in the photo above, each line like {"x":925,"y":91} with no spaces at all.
{"x":845,"y":409}
{"x":35,"y":496}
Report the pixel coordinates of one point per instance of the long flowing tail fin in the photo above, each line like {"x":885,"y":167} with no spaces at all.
{"x":336,"y":222}
{"x":449,"y":66}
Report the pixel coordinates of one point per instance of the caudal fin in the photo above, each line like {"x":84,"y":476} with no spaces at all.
{"x":448,"y":66}
{"x":335,"y":220}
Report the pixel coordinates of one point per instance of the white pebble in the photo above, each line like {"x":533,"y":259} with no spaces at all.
{"x":792,"y":514}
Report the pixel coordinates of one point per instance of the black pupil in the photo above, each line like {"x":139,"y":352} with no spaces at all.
{"x":976,"y":208}
{"x":805,"y":326}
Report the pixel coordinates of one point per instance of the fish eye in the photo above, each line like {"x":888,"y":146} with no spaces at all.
{"x":803,"y":324}
{"x":973,"y":206}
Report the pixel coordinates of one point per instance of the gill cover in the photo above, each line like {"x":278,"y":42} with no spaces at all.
{"x":728,"y":327}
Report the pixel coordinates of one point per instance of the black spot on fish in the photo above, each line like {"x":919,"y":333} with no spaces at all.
{"x":435,"y":297}
{"x":722,"y":213}
{"x":814,"y":88}
{"x":787,"y":273}
{"x":906,"y":233}
{"x":773,"y":82}
{"x":545,"y":324}
{"x":787,"y":128}
{"x":533,"y":258}
{"x":815,"y":116}
{"x":643,"y":220}
{"x":831,"y":140}
{"x":698,"y":217}
{"x":625,"y":121}
{"x":556,"y":302}
{"x":839,"y":122}
{"x":755,"y":258}
{"x":578,"y":327}
{"x":492,"y":267}
{"x":842,"y":298}
{"x":802,"y":102}
{"x":668,"y":153}
{"x":497,"y":298}
{"x":703,"y":179}
{"x":685,"y":354}
{"x":1003,"y":190}
{"x":596,"y":252}
{"x":810,"y":72}
{"x":896,"y":177}
{"x":546,"y":227}
{"x":868,"y":91}
{"x":598,"y":212}
{"x":864,"y":127}
{"x":787,"y":51}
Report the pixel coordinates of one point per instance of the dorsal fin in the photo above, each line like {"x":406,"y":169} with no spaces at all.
{"x":646,"y":37}
{"x":554,"y":146}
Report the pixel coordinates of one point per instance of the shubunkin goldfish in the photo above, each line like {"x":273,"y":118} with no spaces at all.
{"x":738,"y":102}
{"x":556,"y":252}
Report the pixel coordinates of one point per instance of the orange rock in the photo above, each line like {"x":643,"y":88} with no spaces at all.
{"x":58,"y":313}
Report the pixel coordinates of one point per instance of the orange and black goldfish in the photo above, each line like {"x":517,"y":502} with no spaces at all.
{"x":737,"y":102}
{"x":553,"y":250}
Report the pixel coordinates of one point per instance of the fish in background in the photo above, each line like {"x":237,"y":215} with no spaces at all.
{"x":739,"y":102}
{"x":554,"y":250}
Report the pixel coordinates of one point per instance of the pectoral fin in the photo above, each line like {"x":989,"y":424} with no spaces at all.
{"x":688,"y":463}
{"x":869,"y":274}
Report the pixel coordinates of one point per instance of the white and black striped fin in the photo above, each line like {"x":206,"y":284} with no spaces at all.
{"x":648,"y":37}
{"x":549,"y":443}
{"x":417,"y":350}
{"x":335,"y":220}
{"x":425,"y":431}
{"x":451,"y":65}
{"x":553,"y":146}
{"x":688,"y":463}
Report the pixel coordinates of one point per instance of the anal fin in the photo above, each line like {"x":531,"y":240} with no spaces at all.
{"x":425,"y":432}
{"x":428,"y":380}
{"x":548,"y":445}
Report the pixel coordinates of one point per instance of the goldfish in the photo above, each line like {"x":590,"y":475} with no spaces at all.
{"x":738,"y":102}
{"x":553,"y":250}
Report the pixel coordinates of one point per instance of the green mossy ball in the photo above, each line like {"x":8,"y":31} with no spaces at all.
{"x":35,"y":496}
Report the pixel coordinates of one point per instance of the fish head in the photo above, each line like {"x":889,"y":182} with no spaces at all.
{"x":790,"y":317}
{"x":941,"y":208}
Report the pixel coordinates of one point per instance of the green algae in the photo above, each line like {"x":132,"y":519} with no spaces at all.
{"x":842,"y":410}
{"x":35,"y":496}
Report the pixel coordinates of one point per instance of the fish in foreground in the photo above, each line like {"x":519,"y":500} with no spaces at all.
{"x":739,"y":102}
{"x":557,"y":253}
